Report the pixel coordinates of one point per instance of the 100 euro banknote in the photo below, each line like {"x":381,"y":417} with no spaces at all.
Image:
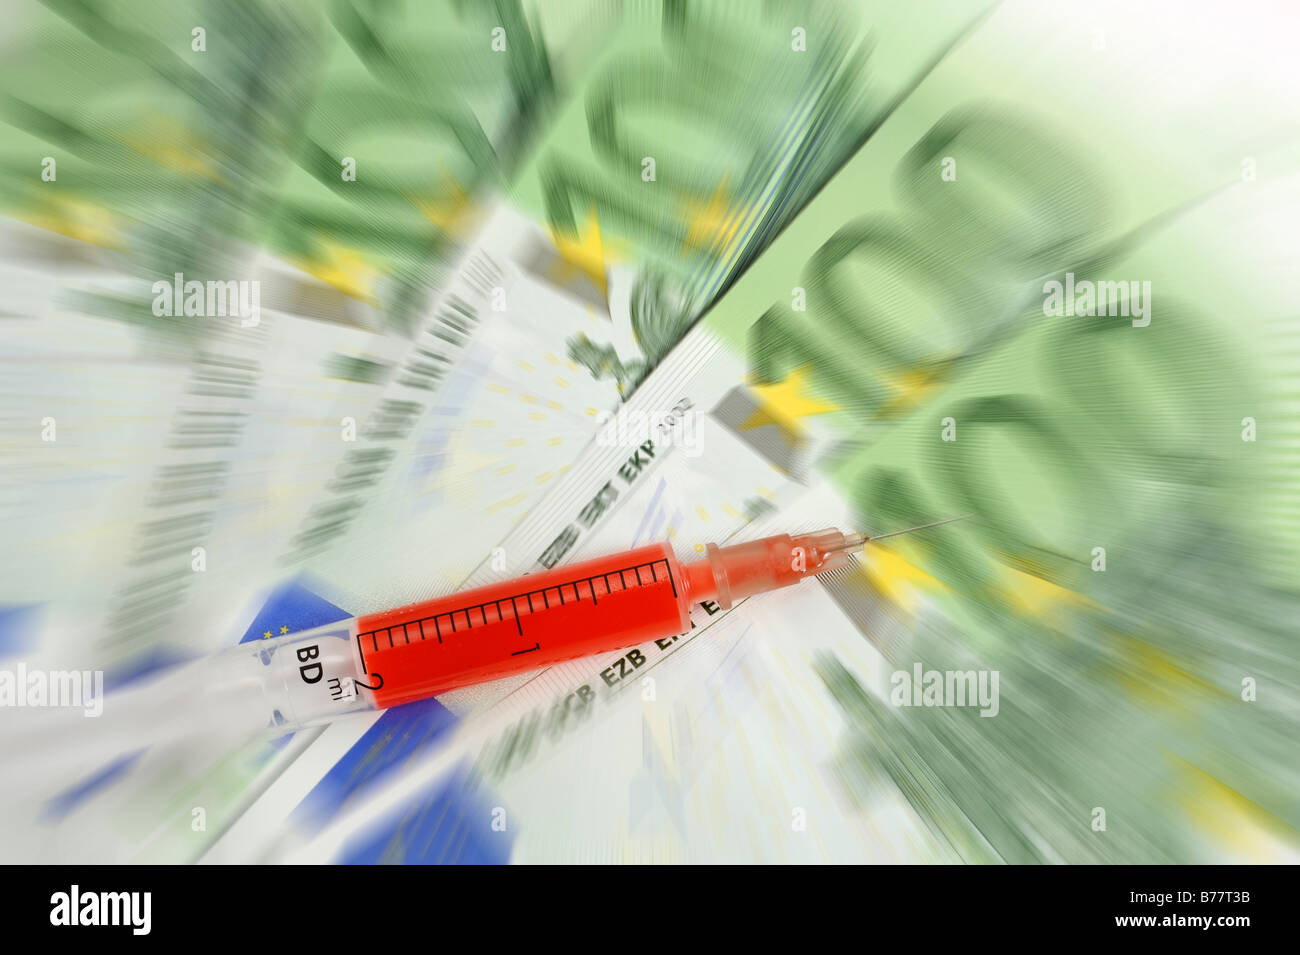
{"x":1130,"y":556}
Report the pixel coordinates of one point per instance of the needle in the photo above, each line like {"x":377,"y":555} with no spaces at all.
{"x":857,"y":540}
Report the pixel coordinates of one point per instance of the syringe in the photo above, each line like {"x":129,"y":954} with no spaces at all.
{"x":424,"y":649}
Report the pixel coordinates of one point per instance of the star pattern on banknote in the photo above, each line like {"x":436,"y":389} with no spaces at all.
{"x":583,"y":253}
{"x":896,"y":579}
{"x":345,"y":269}
{"x":913,"y":385}
{"x":1033,"y":596}
{"x":173,"y":146}
{"x":451,"y":210}
{"x":713,"y":222}
{"x":785,"y":403}
{"x":77,"y":219}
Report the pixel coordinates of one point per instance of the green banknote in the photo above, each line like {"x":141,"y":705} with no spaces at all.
{"x":985,"y":312}
{"x":925,"y":328}
{"x":412,"y":376}
{"x":697,"y":132}
{"x":344,"y":159}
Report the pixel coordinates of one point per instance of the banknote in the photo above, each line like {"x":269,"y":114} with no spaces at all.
{"x":185,"y":144}
{"x":1125,"y":576}
{"x":390,"y":356}
{"x":897,"y":336}
{"x":697,"y":133}
{"x":265,"y":160}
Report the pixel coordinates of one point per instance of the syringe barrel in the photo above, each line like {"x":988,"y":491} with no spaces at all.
{"x":424,"y":649}
{"x":576,"y":610}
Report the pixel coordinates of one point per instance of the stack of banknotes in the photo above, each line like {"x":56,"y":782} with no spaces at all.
{"x":316,"y":310}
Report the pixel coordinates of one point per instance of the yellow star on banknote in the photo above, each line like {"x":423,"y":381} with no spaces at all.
{"x":911,"y":386}
{"x":583,"y":253}
{"x":173,"y":146}
{"x":1231,"y":820}
{"x":785,"y":403}
{"x":345,"y":269}
{"x":895,"y":578}
{"x":84,"y":221}
{"x":712,"y":222}
{"x":1037,"y":598}
{"x":451,"y":210}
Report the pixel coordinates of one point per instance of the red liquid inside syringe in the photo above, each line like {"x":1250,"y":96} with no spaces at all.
{"x":591,"y":607}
